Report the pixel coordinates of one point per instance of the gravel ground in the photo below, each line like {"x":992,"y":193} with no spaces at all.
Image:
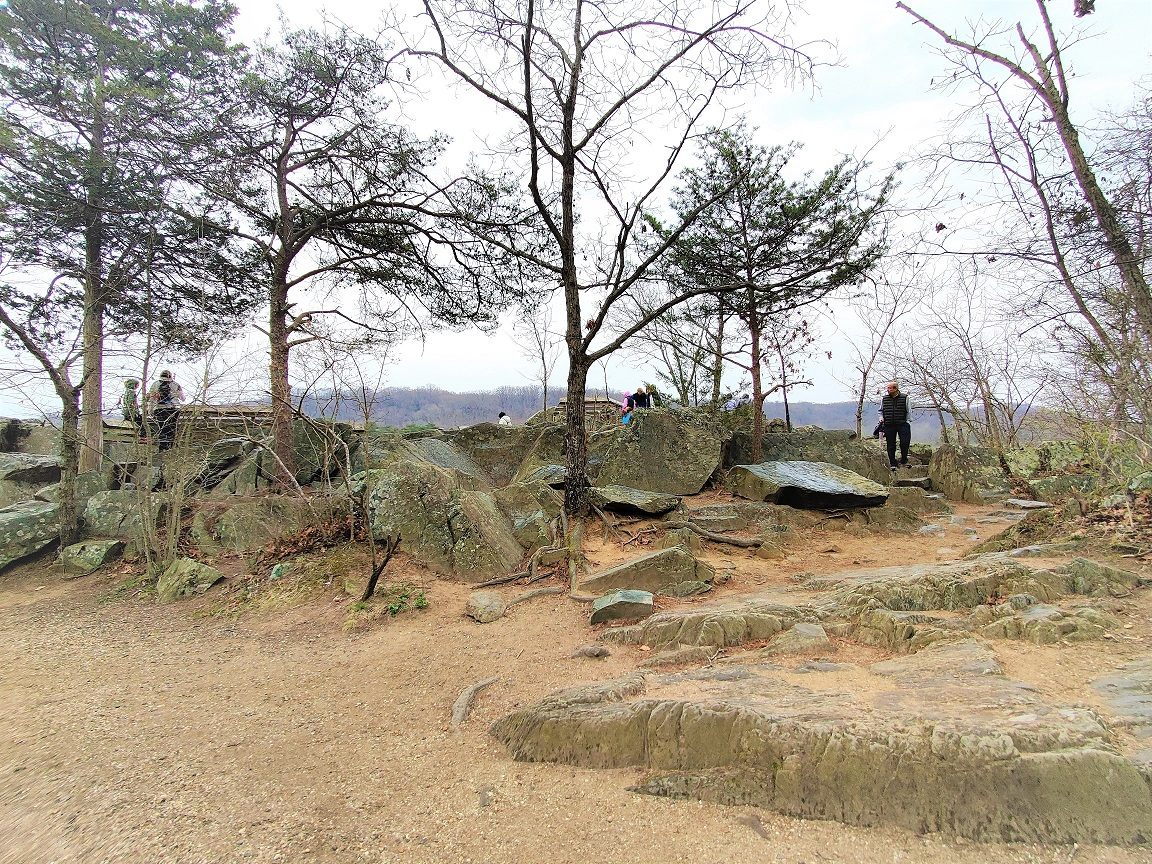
{"x":136,"y":733}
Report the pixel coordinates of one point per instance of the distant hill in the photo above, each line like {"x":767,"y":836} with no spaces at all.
{"x":405,"y":406}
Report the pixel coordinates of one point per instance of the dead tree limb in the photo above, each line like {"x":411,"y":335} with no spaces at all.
{"x":389,"y":548}
{"x":463,"y":703}
{"x":537,"y":592}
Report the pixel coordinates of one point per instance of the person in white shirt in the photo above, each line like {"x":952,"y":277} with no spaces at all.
{"x":504,"y":420}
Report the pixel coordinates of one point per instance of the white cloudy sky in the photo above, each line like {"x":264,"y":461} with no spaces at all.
{"x":877,"y":99}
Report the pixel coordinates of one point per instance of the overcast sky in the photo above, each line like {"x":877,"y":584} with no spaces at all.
{"x":878,"y":99}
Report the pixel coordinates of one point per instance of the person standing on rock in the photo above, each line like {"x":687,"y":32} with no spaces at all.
{"x":641,"y":399}
{"x":130,"y":404}
{"x":896,"y":411}
{"x":165,"y":397}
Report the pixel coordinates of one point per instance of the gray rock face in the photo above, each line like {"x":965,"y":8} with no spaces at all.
{"x":1025,"y":504}
{"x":652,"y":572}
{"x":939,"y":741}
{"x":485,"y":607}
{"x":621,"y":605}
{"x":808,"y":485}
{"x":21,"y":475}
{"x":627,"y":500}
{"x":662,"y":451}
{"x":1040,"y":623}
{"x":551,"y":475}
{"x":27,"y":528}
{"x":1129,"y":693}
{"x":968,"y":474}
{"x":185,"y":578}
{"x":452,"y":530}
{"x":918,"y":501}
{"x":442,"y":454}
{"x":531,"y":507}
{"x":88,"y":556}
{"x":839,"y":447}
{"x":717,"y":625}
{"x":717,"y":517}
{"x":497,"y":450}
{"x":245,"y":525}
{"x":116,"y":514}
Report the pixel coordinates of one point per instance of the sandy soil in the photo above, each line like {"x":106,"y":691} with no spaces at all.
{"x":131,"y":732}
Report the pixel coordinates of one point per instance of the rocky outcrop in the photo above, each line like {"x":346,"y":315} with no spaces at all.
{"x":652,"y":572}
{"x":938,"y":741}
{"x":531,"y":508}
{"x":838,"y":447}
{"x":451,"y":529}
{"x":27,"y":528}
{"x":626,"y":500}
{"x":662,"y":450}
{"x":21,"y":475}
{"x":497,"y":450}
{"x":117,"y":514}
{"x":969,"y":474}
{"x":250,"y":525}
{"x":808,"y":485}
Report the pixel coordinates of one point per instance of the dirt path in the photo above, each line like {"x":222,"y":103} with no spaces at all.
{"x":136,"y":733}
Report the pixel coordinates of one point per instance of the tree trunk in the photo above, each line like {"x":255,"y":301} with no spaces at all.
{"x":718,"y":360}
{"x":279,"y":388}
{"x":576,"y":440}
{"x":69,"y":463}
{"x":91,"y":419}
{"x":757,"y":391}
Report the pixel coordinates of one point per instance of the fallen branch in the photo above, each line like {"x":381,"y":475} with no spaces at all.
{"x":463,"y":703}
{"x":533,"y":563}
{"x":607,"y":522}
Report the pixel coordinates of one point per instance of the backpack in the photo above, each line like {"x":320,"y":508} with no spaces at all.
{"x":164,"y":391}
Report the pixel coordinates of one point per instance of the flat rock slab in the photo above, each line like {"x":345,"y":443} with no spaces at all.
{"x":1025,"y":504}
{"x":621,"y":605}
{"x":652,"y":572}
{"x":28,"y":468}
{"x":807,"y":485}
{"x":939,"y":741}
{"x":550,"y":475}
{"x":1129,"y":694}
{"x":924,"y":483}
{"x":622,"y":498}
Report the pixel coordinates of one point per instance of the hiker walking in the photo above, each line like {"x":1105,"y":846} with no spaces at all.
{"x":896,"y":411}
{"x":165,"y":397}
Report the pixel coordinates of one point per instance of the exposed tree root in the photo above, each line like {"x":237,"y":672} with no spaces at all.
{"x":463,"y":703}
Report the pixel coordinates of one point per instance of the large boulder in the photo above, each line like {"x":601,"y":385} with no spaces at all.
{"x":27,"y":528}
{"x":443,"y":454}
{"x":941,"y":740}
{"x":449,"y":528}
{"x":970,"y":474}
{"x":662,"y":451}
{"x":117,"y":514}
{"x":652,"y":572}
{"x":250,"y":525}
{"x":185,"y":578}
{"x":322,"y":448}
{"x":838,"y":447}
{"x":531,"y":508}
{"x":497,"y":450}
{"x":28,"y":436}
{"x":88,"y":556}
{"x":808,"y":485}
{"x":21,"y":475}
{"x":627,"y":500}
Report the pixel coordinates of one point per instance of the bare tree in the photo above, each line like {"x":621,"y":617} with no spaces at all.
{"x":583,"y":83}
{"x":879,"y":308}
{"x":1037,"y":66}
{"x":538,"y":344}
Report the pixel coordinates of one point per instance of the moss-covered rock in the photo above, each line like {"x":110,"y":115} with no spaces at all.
{"x":453,"y":530}
{"x":652,"y":572}
{"x":809,"y":485}
{"x":27,"y":528}
{"x":117,"y":514}
{"x":88,"y":556}
{"x":661,"y":450}
{"x":185,"y":578}
{"x":969,"y":474}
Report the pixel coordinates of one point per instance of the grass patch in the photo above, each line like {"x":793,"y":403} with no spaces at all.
{"x":390,"y":600}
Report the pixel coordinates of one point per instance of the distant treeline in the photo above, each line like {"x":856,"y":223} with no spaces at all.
{"x":406,"y":406}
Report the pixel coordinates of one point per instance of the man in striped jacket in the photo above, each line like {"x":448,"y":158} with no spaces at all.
{"x":897,"y":413}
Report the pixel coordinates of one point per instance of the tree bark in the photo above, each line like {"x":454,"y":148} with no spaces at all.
{"x":69,"y":463}
{"x":91,"y":417}
{"x":280,"y":389}
{"x":757,"y":390}
{"x":576,"y":440}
